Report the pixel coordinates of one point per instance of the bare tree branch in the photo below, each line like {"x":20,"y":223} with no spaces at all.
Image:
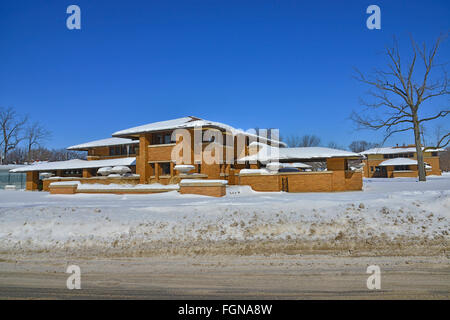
{"x":397,"y":97}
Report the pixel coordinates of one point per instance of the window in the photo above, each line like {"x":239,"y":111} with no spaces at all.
{"x":199,"y":168}
{"x":122,"y":150}
{"x":162,"y":138}
{"x":167,"y":138}
{"x":434,"y":154}
{"x":152,"y":166}
{"x":132,"y":149}
{"x":165,"y":168}
{"x":371,"y":169}
{"x":377,"y":169}
{"x":401,"y":168}
{"x":73,"y":172}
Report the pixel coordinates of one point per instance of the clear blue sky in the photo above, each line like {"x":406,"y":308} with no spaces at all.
{"x":284,"y":64}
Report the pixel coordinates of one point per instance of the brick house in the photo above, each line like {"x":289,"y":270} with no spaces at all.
{"x":149,"y":151}
{"x":393,"y":162}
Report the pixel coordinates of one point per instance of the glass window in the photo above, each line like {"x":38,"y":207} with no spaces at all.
{"x":162,"y":138}
{"x":165,"y":168}
{"x":167,"y":138}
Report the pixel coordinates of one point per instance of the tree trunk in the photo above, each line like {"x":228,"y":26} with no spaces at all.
{"x":5,"y":152}
{"x":419,"y":151}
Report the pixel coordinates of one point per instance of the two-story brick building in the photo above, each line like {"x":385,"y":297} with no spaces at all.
{"x":394,"y":162}
{"x":212,"y":151}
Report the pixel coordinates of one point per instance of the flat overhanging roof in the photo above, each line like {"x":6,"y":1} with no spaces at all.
{"x":76,"y":164}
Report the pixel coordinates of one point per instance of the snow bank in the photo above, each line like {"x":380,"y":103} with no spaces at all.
{"x":114,"y":186}
{"x":393,"y":211}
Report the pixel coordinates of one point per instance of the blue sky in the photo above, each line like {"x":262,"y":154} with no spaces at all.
{"x":267,"y":64}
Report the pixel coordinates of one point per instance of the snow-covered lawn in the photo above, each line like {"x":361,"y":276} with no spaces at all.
{"x":391,"y":209}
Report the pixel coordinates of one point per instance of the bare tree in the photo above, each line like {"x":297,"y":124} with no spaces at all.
{"x":11,"y":126}
{"x":35,"y":134}
{"x":439,"y":132}
{"x":398,"y":96}
{"x":361,"y":145}
{"x":334,"y":145}
{"x":303,"y":141}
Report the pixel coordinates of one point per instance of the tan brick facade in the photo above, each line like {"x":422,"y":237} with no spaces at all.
{"x":212,"y":191}
{"x":374,"y":160}
{"x":339,"y":179}
{"x":154,"y":164}
{"x":63,"y":189}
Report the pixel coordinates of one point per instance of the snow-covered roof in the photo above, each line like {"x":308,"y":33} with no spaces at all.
{"x":103,"y":143}
{"x":187,"y":182}
{"x":296,"y":165}
{"x":268,"y":153}
{"x":7,"y":167}
{"x":398,"y":162}
{"x":390,"y":150}
{"x":187,"y":122}
{"x":77,"y":164}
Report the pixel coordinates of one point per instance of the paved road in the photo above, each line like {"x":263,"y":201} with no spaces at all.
{"x":226,"y":277}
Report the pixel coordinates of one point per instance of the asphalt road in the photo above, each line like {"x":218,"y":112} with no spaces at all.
{"x":225,"y":277}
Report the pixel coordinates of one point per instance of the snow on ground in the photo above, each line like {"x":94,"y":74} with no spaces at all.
{"x":395,"y":210}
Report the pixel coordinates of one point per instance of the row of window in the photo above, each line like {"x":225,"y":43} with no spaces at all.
{"x":166,"y":138}
{"x":404,"y":155}
{"x":396,"y":168}
{"x":162,"y":138}
{"x":398,"y":155}
{"x":164,"y":168}
{"x":122,"y":150}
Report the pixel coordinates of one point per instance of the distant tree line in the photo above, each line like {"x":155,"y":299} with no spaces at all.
{"x":21,"y":140}
{"x":311,"y":140}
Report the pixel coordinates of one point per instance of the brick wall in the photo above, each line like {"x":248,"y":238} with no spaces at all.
{"x":403,"y":174}
{"x":353,"y":180}
{"x":32,"y":181}
{"x":100,"y":180}
{"x":63,"y":189}
{"x":212,"y":191}
{"x":160,"y":153}
{"x":261,"y":182}
{"x":305,"y":181}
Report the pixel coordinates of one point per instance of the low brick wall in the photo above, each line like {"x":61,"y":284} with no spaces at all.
{"x":205,"y":188}
{"x":261,"y":182}
{"x":353,"y":180}
{"x":122,"y":191}
{"x":405,"y":174}
{"x":326,"y":181}
{"x":66,"y":189}
{"x":310,"y":181}
{"x":100,"y":180}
